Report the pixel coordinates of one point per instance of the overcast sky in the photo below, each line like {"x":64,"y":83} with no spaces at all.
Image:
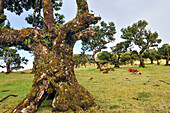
{"x":122,"y":12}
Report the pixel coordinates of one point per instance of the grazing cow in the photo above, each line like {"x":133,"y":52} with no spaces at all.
{"x":134,"y":71}
{"x":105,"y":72}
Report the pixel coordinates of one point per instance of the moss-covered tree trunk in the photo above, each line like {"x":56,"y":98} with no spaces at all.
{"x":55,"y":79}
{"x":53,"y":50}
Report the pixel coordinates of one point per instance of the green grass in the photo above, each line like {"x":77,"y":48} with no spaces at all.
{"x":117,"y":91}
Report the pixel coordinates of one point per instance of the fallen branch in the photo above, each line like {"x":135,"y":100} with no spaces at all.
{"x":7,"y":97}
{"x":4,"y":90}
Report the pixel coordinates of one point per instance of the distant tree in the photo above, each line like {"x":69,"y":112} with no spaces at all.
{"x":80,"y":59}
{"x":158,"y":57}
{"x":118,"y":50}
{"x":125,"y":58}
{"x":105,"y":57}
{"x":12,"y":59}
{"x":133,"y":56}
{"x":103,"y":35}
{"x":138,"y":35}
{"x":76,"y":58}
{"x":151,"y":54}
{"x":90,"y":59}
{"x":165,"y":52}
{"x":10,"y":56}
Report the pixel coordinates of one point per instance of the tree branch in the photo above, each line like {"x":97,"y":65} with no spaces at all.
{"x":14,"y":37}
{"x":48,"y":13}
{"x":82,"y":20}
{"x":2,"y":16}
{"x":83,"y":35}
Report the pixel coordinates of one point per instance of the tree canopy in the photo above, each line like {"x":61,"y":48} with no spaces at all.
{"x":165,"y":52}
{"x":104,"y":34}
{"x":138,"y":35}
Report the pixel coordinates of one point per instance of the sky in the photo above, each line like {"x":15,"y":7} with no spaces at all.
{"x":122,"y":12}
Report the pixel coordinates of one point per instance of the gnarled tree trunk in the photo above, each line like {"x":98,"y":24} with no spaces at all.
{"x":55,"y":79}
{"x":53,"y":49}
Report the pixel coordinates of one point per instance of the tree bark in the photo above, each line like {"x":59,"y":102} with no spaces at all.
{"x":55,"y":79}
{"x":151,"y":61}
{"x":8,"y":66}
{"x":167,"y":59}
{"x":158,"y":63}
{"x":53,"y":50}
{"x":132,"y":62}
{"x":117,"y":62}
{"x":167,"y":62}
{"x":97,"y":62}
{"x":2,"y":16}
{"x":142,"y":64}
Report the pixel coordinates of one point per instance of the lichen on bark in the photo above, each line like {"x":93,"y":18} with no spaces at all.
{"x":53,"y":50}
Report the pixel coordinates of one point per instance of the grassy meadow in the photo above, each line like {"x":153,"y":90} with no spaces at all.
{"x":118,"y":91}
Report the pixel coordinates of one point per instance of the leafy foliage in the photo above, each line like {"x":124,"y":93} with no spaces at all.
{"x":118,"y":50}
{"x":165,"y":52}
{"x":106,"y":57}
{"x":36,"y":19}
{"x":104,"y":35}
{"x":80,"y":59}
{"x":12,"y":59}
{"x":125,"y":58}
{"x":151,"y":54}
{"x":137,"y":34}
{"x":18,"y":7}
{"x":10,"y":56}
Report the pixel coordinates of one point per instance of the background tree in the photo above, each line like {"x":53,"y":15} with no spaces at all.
{"x":10,"y":56}
{"x":165,"y":52}
{"x":12,"y":59}
{"x":105,"y":57}
{"x":125,"y":58}
{"x":118,"y":50}
{"x":80,"y":59}
{"x":103,"y":35}
{"x":77,"y":60}
{"x":151,"y":54}
{"x":53,"y":48}
{"x":158,"y":57}
{"x":138,"y":35}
